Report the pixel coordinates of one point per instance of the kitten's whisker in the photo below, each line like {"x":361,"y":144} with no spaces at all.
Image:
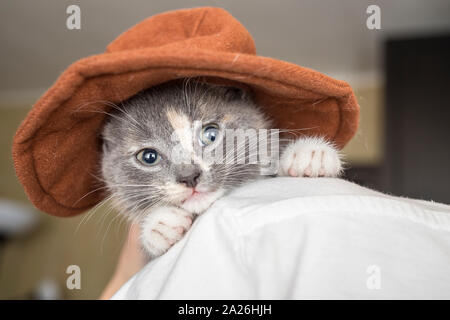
{"x":134,"y":123}
{"x":91,"y":213}
{"x":116,"y":107}
{"x":107,"y":230}
{"x":97,"y":189}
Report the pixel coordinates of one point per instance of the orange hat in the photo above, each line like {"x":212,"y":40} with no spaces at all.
{"x":56,"y":149}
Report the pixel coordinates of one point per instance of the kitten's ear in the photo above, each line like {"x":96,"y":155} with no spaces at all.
{"x":106,"y":146}
{"x":234,"y":93}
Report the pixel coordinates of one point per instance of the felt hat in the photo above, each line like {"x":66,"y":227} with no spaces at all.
{"x":56,"y":149}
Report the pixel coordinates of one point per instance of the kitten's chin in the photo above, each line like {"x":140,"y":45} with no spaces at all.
{"x":200,"y":202}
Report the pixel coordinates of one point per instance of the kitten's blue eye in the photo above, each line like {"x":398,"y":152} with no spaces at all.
{"x":148,"y":157}
{"x":209,"y":134}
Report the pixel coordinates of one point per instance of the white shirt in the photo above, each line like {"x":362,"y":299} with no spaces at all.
{"x":305,"y":238}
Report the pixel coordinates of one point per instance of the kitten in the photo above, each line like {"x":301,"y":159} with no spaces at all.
{"x":148,"y":182}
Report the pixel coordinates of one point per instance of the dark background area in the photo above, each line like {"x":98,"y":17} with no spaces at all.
{"x":417,"y":109}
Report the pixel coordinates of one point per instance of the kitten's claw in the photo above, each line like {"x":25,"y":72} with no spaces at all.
{"x":163,"y":227}
{"x":310,"y":157}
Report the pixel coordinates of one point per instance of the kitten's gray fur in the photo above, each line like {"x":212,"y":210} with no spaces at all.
{"x":153,"y":196}
{"x":146,"y":125}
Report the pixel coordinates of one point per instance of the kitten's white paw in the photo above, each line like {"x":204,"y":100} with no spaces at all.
{"x":310,"y":157}
{"x":163,"y":227}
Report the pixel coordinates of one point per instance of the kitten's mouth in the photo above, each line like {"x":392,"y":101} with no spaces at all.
{"x":199,"y":201}
{"x":196,"y":196}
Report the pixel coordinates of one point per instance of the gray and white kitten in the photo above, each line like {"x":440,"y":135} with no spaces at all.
{"x":145,"y":178}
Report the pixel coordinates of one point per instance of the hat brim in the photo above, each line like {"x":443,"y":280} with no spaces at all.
{"x":57,"y":147}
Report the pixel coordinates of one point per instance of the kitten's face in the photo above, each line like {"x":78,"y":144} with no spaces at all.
{"x":153,"y":146}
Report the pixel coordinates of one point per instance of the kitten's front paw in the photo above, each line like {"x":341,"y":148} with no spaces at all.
{"x":163,"y":227}
{"x":310,"y":157}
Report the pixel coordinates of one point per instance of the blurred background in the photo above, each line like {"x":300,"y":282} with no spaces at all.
{"x":400,"y":74}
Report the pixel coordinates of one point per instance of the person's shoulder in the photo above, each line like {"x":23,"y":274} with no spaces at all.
{"x":271,"y":200}
{"x":253,"y":196}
